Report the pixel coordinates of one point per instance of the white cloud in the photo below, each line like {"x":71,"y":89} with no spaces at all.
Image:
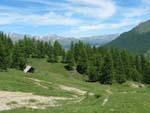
{"x":104,"y":26}
{"x":136,"y":12}
{"x":10,"y":16}
{"x":38,"y":20}
{"x":124,"y":23}
{"x":94,"y":8}
{"x":52,"y":18}
{"x":90,"y":27}
{"x":64,"y":16}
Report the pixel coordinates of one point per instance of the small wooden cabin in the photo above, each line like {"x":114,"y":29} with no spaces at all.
{"x":29,"y":69}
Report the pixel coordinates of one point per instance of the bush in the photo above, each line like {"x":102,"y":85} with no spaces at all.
{"x":120,"y":78}
{"x":69,"y":68}
{"x":97,"y":95}
{"x":135,"y":75}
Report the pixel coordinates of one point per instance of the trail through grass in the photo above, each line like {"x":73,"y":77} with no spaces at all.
{"x":48,"y":78}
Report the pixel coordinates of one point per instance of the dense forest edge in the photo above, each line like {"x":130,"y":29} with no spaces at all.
{"x":98,"y":64}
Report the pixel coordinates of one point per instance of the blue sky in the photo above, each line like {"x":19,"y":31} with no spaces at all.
{"x":76,"y":18}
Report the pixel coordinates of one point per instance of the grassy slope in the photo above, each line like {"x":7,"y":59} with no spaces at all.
{"x":134,"y":101}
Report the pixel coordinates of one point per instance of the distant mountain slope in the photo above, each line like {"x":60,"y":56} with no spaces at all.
{"x":65,"y":41}
{"x":99,"y":40}
{"x":15,"y":36}
{"x":136,"y":40}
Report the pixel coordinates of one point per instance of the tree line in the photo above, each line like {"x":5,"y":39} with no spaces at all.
{"x":108,"y":65}
{"x":99,"y":64}
{"x":15,"y":54}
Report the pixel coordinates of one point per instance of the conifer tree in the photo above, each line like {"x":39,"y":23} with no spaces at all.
{"x":64,"y":56}
{"x":119,"y":69}
{"x":18,"y":57}
{"x":95,"y":68}
{"x":107,"y":70}
{"x":57,"y":51}
{"x":70,"y":60}
{"x":92,"y":73}
{"x":3,"y":60}
{"x":145,"y":64}
{"x":50,"y":54}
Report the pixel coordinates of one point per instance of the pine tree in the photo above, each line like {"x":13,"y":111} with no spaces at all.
{"x":126,"y":63}
{"x":95,"y":68}
{"x":63,"y":56}
{"x":7,"y":46}
{"x":57,"y":51}
{"x":72,"y":48}
{"x":119,"y":69}
{"x":135,"y":75}
{"x":70,"y":60}
{"x":18,"y":57}
{"x":138,"y":63}
{"x":3,"y":60}
{"x":81,"y":58}
{"x":50,"y":54}
{"x":107,"y":70}
{"x":145,"y":64}
{"x":92,"y":73}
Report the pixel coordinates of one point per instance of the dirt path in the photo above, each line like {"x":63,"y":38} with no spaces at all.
{"x":43,"y":86}
{"x":39,"y":81}
{"x":62,"y":87}
{"x":105,"y":101}
{"x":12,"y":100}
{"x":74,"y":90}
{"x":109,"y":92}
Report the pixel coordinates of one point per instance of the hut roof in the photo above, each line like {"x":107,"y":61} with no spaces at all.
{"x":27,"y":69}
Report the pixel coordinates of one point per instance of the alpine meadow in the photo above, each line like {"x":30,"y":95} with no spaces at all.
{"x":74,"y":56}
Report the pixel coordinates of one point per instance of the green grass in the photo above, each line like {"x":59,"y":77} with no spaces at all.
{"x":133,"y":101}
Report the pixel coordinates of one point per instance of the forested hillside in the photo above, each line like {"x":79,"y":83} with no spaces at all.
{"x":100,"y":64}
{"x":136,"y":40}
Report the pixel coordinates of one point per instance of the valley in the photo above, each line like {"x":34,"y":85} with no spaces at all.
{"x":74,"y":56}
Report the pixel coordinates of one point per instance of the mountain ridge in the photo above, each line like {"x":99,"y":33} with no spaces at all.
{"x":65,"y":41}
{"x":136,"y":40}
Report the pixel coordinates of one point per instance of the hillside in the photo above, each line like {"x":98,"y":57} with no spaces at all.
{"x":52,"y":84}
{"x":136,"y":40}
